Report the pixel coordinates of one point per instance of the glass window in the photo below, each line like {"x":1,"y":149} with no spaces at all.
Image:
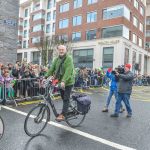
{"x":91,"y":17}
{"x":26,"y":12}
{"x":91,"y":34}
{"x":133,"y":59}
{"x":77,"y":3}
{"x":25,"y":23}
{"x":63,"y":37}
{"x":64,"y":7}
{"x":35,"y":40}
{"x":135,"y":21}
{"x":126,"y":56}
{"x":25,"y":34}
{"x":147,"y":21}
{"x":63,"y":23}
{"x":141,"y":27}
{"x":76,"y":36}
{"x":25,"y":54}
{"x":19,"y":57}
{"x":49,"y":4}
{"x":140,"y":42}
{"x":147,"y":45}
{"x":147,"y":33}
{"x":54,"y":3}
{"x":83,"y":57}
{"x":108,"y":57}
{"x":126,"y":32}
{"x":134,"y":39}
{"x":136,"y":4}
{"x":116,"y":11}
{"x":92,"y":1}
{"x":24,"y":44}
{"x":38,"y":27}
{"x":37,"y":16}
{"x":48,"y":28}
{"x":48,"y":16}
{"x":54,"y":14}
{"x":77,"y":20}
{"x":141,"y":10}
{"x":36,"y":57}
{"x":112,"y":31}
{"x":53,"y":29}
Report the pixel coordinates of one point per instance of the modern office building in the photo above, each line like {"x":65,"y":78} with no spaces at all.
{"x":8,"y":30}
{"x":105,"y":33}
{"x":36,"y":20}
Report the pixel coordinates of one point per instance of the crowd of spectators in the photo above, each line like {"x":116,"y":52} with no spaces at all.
{"x":23,"y":76}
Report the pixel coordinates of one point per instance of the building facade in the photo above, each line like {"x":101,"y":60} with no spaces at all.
{"x":148,"y":26}
{"x":104,"y":33}
{"x":147,"y":45}
{"x":36,"y":21}
{"x":8,"y":30}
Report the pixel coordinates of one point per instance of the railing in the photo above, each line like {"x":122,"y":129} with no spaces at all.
{"x":33,"y":88}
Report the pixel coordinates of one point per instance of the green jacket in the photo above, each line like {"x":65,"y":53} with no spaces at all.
{"x":67,"y":75}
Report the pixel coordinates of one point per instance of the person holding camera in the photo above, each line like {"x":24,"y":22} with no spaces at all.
{"x":124,"y":90}
{"x":113,"y":89}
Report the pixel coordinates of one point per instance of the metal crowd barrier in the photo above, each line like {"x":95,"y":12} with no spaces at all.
{"x":142,"y":82}
{"x":23,"y":89}
{"x":34,"y":88}
{"x":91,"y":81}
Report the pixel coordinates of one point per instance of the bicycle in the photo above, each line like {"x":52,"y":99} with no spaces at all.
{"x":40,"y":114}
{"x":2,"y":127}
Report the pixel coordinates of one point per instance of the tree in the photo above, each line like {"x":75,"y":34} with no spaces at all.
{"x":48,"y":48}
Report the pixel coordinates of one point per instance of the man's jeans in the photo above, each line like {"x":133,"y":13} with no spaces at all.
{"x":125,"y":98}
{"x":65,"y":95}
{"x":111,"y":93}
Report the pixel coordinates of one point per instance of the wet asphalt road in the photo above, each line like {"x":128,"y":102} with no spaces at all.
{"x":131,"y":132}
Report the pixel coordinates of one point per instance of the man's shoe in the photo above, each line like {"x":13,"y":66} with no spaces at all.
{"x":129,"y":115}
{"x":105,"y":110}
{"x":60,"y":118}
{"x":114,"y":115}
{"x":122,"y":110}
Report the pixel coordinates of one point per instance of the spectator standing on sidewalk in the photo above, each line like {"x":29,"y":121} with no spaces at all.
{"x":124,"y":91}
{"x":113,"y":89}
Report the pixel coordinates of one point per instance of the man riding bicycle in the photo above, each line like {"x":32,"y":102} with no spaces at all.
{"x":62,"y":69}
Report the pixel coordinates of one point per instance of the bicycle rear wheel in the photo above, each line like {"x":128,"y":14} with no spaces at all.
{"x":1,"y":127}
{"x":36,"y":120}
{"x":74,"y":118}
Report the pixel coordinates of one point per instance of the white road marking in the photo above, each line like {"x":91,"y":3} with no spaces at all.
{"x":84,"y":134}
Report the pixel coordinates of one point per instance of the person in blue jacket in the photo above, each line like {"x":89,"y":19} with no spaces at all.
{"x":113,"y":89}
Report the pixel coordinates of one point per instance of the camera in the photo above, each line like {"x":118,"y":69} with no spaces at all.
{"x":120,"y":69}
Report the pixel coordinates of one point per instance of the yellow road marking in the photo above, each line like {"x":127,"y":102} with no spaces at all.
{"x":105,"y":89}
{"x":29,"y":102}
{"x":82,"y":91}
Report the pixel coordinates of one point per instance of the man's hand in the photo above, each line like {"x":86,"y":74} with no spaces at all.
{"x":62,"y":85}
{"x":49,"y":78}
{"x":117,"y":74}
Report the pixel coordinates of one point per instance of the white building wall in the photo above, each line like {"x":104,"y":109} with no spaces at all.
{"x":119,"y":45}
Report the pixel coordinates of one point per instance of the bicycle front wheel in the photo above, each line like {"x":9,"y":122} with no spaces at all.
{"x":1,"y":127}
{"x":36,"y":120}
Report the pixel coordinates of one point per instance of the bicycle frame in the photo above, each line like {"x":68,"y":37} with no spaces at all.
{"x":48,"y":100}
